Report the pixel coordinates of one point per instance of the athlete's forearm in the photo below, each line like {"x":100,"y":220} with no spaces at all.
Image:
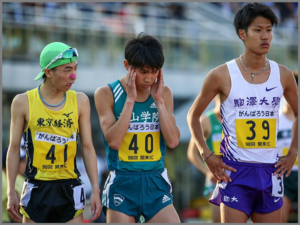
{"x":196,"y":131}
{"x":12,"y":165}
{"x":194,"y":157}
{"x":294,"y":142}
{"x":90,"y":163}
{"x":168,"y":126}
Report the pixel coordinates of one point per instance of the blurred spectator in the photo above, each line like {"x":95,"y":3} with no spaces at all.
{"x":177,"y":11}
{"x":19,"y":181}
{"x":227,"y":9}
{"x":287,"y":12}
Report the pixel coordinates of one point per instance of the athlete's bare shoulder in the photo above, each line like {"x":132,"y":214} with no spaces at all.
{"x":221,"y":72}
{"x":167,"y":90}
{"x":82,"y":98}
{"x":21,"y":101}
{"x":20,"y":106}
{"x":103,"y":97}
{"x":103,"y":92}
{"x":286,"y":76}
{"x":220,"y":78}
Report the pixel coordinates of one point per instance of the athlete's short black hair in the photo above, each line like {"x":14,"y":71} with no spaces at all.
{"x":249,"y":12}
{"x":144,"y":50}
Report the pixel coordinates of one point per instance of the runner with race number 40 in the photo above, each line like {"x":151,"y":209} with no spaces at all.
{"x":136,"y":117}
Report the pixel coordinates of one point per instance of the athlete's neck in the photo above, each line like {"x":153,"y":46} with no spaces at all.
{"x":253,"y":61}
{"x":50,"y":93}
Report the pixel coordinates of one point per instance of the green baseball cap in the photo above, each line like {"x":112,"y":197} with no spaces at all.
{"x":51,"y":51}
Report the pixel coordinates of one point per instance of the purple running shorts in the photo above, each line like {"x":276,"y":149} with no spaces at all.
{"x":252,"y":188}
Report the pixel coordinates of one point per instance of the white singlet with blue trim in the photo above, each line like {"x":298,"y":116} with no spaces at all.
{"x":250,"y":117}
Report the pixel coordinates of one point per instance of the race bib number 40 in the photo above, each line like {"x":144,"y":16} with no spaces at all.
{"x":141,"y":144}
{"x":256,"y":133}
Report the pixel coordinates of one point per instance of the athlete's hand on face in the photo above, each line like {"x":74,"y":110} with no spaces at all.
{"x":217,"y":167}
{"x":13,"y":203}
{"x":157,"y":88}
{"x":285,"y":164}
{"x":130,"y":84}
{"x":96,"y":205}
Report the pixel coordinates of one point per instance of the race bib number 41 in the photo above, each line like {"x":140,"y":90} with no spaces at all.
{"x":256,"y":133}
{"x":54,"y":152}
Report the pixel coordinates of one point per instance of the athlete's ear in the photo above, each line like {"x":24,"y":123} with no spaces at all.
{"x":48,"y":72}
{"x":126,"y":64}
{"x":242,"y":34}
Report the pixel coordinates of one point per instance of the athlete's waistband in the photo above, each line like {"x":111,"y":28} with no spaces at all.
{"x":53,"y":181}
{"x":239,"y":163}
{"x":145,"y":172}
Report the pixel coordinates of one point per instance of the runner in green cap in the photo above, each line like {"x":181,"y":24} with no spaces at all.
{"x":50,"y":121}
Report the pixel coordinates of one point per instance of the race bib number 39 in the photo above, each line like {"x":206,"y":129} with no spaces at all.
{"x":140,"y":147}
{"x":256,"y":133}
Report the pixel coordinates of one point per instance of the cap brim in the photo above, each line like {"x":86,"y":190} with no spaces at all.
{"x":39,"y":76}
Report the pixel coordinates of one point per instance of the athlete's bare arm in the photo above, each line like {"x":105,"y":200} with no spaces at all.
{"x":193,"y":151}
{"x":290,"y":93}
{"x":88,"y":151}
{"x":115,"y":130}
{"x":217,"y":81}
{"x":19,"y":113}
{"x":163,"y":98}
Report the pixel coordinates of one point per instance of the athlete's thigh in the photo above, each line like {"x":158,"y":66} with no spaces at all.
{"x":272,"y":217}
{"x":231,"y":215}
{"x":113,"y":216}
{"x":77,"y":219}
{"x":286,"y":207}
{"x":216,"y":218}
{"x":27,"y":220}
{"x":166,"y":215}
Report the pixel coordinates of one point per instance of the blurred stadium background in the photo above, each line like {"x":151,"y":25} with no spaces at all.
{"x":196,"y":37}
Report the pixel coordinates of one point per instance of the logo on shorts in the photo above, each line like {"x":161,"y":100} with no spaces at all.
{"x":118,"y":199}
{"x":165,"y":199}
{"x":276,"y":200}
{"x":234,"y":199}
{"x":226,"y":199}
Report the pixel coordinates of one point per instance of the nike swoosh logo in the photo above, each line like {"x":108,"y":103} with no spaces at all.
{"x":276,"y":200}
{"x":270,"y":88}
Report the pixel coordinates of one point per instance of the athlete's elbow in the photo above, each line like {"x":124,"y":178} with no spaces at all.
{"x":113,"y":144}
{"x":190,"y":155}
{"x":173,"y":143}
{"x":190,"y":117}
